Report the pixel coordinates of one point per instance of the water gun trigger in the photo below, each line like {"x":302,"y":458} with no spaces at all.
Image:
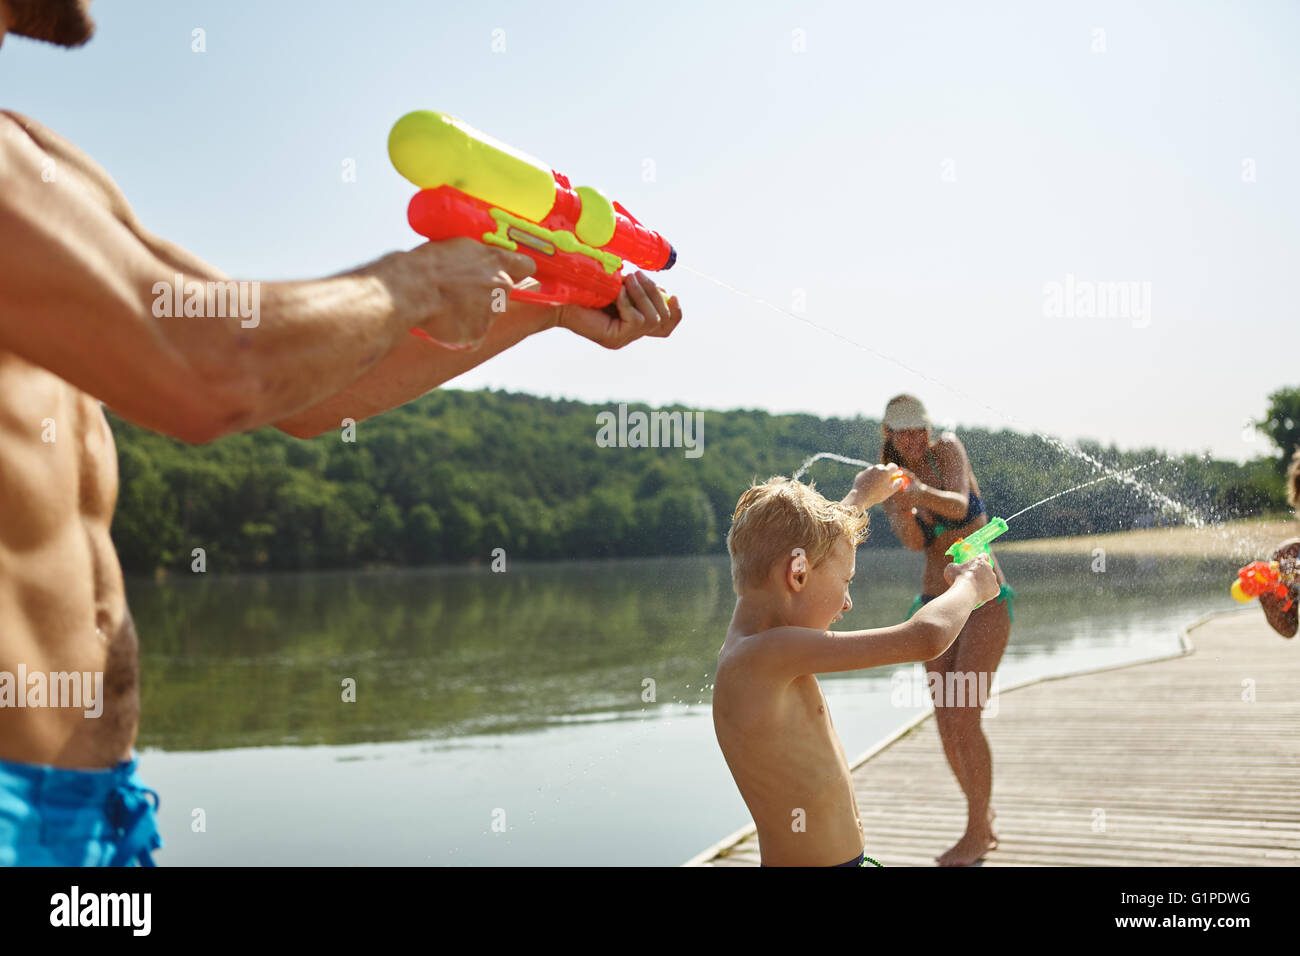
{"x":559,"y":293}
{"x":542,"y":292}
{"x":557,"y":286}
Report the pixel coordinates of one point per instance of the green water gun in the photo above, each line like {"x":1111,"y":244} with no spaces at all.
{"x":977,"y":543}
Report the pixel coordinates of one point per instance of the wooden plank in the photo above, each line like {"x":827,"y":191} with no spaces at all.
{"x":1186,"y":772}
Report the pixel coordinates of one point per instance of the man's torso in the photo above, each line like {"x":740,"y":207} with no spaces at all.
{"x":62,"y":603}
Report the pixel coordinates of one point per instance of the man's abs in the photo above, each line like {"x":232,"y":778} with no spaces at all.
{"x":64,"y":626}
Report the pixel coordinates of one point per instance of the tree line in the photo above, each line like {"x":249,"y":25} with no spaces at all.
{"x":455,"y":475}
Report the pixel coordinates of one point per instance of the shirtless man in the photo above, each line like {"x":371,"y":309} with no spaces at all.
{"x":792,"y":561}
{"x":77,"y":328}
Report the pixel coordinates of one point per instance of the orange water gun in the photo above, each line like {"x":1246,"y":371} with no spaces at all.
{"x":1266,"y":577}
{"x":475,"y":186}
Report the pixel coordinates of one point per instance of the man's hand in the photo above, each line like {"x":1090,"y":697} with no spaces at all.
{"x":463,"y":285}
{"x":979,"y":570}
{"x":873,"y":485}
{"x":643,"y":309}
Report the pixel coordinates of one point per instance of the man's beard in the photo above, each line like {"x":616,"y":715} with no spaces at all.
{"x":62,"y":22}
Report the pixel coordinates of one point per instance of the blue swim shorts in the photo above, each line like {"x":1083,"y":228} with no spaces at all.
{"x":52,"y":816}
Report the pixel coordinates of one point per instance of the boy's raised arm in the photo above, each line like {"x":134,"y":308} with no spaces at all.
{"x":792,"y":651}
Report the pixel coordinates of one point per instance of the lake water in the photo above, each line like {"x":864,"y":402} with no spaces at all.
{"x":517,"y":697}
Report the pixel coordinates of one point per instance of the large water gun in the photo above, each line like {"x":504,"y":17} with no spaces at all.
{"x":1266,"y":577}
{"x":472,"y":185}
{"x":977,"y":543}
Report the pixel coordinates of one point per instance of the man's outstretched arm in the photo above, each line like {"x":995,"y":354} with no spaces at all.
{"x":417,"y":365}
{"x":77,"y":294}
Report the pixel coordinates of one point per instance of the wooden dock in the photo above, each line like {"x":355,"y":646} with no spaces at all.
{"x":1165,"y":763}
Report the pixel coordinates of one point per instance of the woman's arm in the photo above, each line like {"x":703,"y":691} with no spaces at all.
{"x":877,"y":485}
{"x":903,"y":522}
{"x":951,"y":501}
{"x":872,"y":485}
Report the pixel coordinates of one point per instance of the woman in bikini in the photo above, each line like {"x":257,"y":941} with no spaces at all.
{"x":940,"y":504}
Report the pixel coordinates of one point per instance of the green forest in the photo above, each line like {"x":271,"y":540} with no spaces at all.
{"x":455,"y":475}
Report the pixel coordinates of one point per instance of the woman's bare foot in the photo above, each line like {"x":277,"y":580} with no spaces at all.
{"x":972,"y":846}
{"x":969,"y":849}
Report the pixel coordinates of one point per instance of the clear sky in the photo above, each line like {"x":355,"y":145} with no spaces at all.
{"x":920,"y":171}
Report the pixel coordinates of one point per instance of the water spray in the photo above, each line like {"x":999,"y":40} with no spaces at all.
{"x":1156,"y":498}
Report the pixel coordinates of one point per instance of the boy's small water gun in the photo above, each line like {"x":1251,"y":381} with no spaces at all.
{"x":472,"y":185}
{"x":977,"y":543}
{"x":1266,"y":577}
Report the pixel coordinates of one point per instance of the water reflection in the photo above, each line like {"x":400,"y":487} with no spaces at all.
{"x":261,"y":660}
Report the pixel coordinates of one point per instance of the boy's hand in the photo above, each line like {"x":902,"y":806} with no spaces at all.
{"x":643,"y":309}
{"x":980,"y":571}
{"x":873,"y":485}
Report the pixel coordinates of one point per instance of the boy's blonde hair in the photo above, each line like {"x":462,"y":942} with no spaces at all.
{"x":774,"y":518}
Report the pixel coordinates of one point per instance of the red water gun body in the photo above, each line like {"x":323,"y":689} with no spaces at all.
{"x":563,"y":275}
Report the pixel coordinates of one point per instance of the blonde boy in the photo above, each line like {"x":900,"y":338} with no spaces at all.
{"x":792,"y":560}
